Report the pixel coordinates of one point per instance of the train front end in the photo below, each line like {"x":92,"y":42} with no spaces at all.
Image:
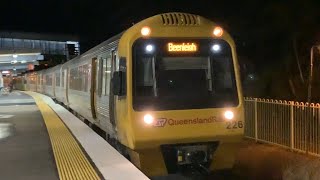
{"x":183,"y":104}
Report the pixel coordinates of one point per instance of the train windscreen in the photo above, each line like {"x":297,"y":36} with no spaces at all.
{"x":183,"y":74}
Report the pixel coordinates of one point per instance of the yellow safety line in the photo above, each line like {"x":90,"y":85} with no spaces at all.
{"x":70,"y":160}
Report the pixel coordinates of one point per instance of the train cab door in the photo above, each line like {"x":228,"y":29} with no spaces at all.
{"x":93,"y":98}
{"x":112,"y":97}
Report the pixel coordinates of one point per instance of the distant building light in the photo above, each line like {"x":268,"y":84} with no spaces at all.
{"x":251,"y":76}
{"x":72,"y":42}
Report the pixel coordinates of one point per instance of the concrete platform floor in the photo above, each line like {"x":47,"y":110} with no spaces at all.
{"x":25,"y":148}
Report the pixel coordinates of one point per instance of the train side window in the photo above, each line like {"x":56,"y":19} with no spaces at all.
{"x":85,"y":77}
{"x":100,"y":74}
{"x":104,"y":73}
{"x":62,"y":77}
{"x":108,"y":75}
{"x":57,"y":79}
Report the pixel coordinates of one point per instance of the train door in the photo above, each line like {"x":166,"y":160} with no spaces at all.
{"x":93,"y":87}
{"x":54,"y":84}
{"x":100,"y":87}
{"x":39,"y":83}
{"x":65,"y":75}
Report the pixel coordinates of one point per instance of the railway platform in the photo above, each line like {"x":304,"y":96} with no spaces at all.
{"x":40,"y":139}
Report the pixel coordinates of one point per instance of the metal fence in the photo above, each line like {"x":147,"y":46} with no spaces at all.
{"x":290,"y":124}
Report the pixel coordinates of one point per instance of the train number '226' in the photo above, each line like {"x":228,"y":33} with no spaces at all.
{"x":234,"y":125}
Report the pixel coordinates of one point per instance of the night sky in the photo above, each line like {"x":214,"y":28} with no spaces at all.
{"x":268,"y":34}
{"x":95,"y":21}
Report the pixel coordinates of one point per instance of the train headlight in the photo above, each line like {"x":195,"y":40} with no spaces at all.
{"x":228,"y":115}
{"x":216,"y":48}
{"x":148,"y":119}
{"x":217,"y":31}
{"x":145,"y":31}
{"x":149,"y":48}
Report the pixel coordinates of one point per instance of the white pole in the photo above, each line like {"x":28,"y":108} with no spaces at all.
{"x":310,"y":74}
{"x":291,"y":126}
{"x":255,"y":120}
{"x":1,"y":81}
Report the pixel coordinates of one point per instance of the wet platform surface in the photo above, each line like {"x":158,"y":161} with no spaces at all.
{"x":40,"y":139}
{"x":25,"y":149}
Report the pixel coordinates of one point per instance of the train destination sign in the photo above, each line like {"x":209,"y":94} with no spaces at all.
{"x":182,"y":47}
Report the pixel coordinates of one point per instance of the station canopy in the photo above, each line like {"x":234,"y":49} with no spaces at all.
{"x":20,"y":52}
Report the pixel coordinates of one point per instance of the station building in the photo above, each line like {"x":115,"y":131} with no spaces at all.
{"x":21,"y":52}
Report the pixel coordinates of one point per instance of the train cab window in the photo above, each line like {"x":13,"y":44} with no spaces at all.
{"x":166,"y":80}
{"x":144,"y":74}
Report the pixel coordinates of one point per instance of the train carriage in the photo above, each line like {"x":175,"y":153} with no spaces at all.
{"x":166,"y":92}
{"x":49,"y":83}
{"x":58,"y":84}
{"x":31,"y":79}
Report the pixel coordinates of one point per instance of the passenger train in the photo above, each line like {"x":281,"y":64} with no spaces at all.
{"x":166,"y":92}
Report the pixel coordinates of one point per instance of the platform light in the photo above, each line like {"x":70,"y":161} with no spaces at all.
{"x":23,"y":61}
{"x":149,"y":48}
{"x":5,"y":72}
{"x":13,"y":62}
{"x":15,"y":55}
{"x":148,"y":119}
{"x":216,"y":47}
{"x":145,"y":31}
{"x":14,"y":69}
{"x":228,"y":115}
{"x":217,"y":31}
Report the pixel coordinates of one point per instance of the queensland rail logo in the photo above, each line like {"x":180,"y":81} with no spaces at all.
{"x":161,"y":122}
{"x":174,"y":122}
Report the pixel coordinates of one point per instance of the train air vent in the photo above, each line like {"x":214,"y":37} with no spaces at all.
{"x":179,"y":19}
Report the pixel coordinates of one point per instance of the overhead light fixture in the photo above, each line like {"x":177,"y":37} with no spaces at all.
{"x":13,"y":62}
{"x":20,"y":54}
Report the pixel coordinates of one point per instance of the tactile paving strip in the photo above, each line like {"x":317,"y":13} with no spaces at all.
{"x":70,"y":160}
